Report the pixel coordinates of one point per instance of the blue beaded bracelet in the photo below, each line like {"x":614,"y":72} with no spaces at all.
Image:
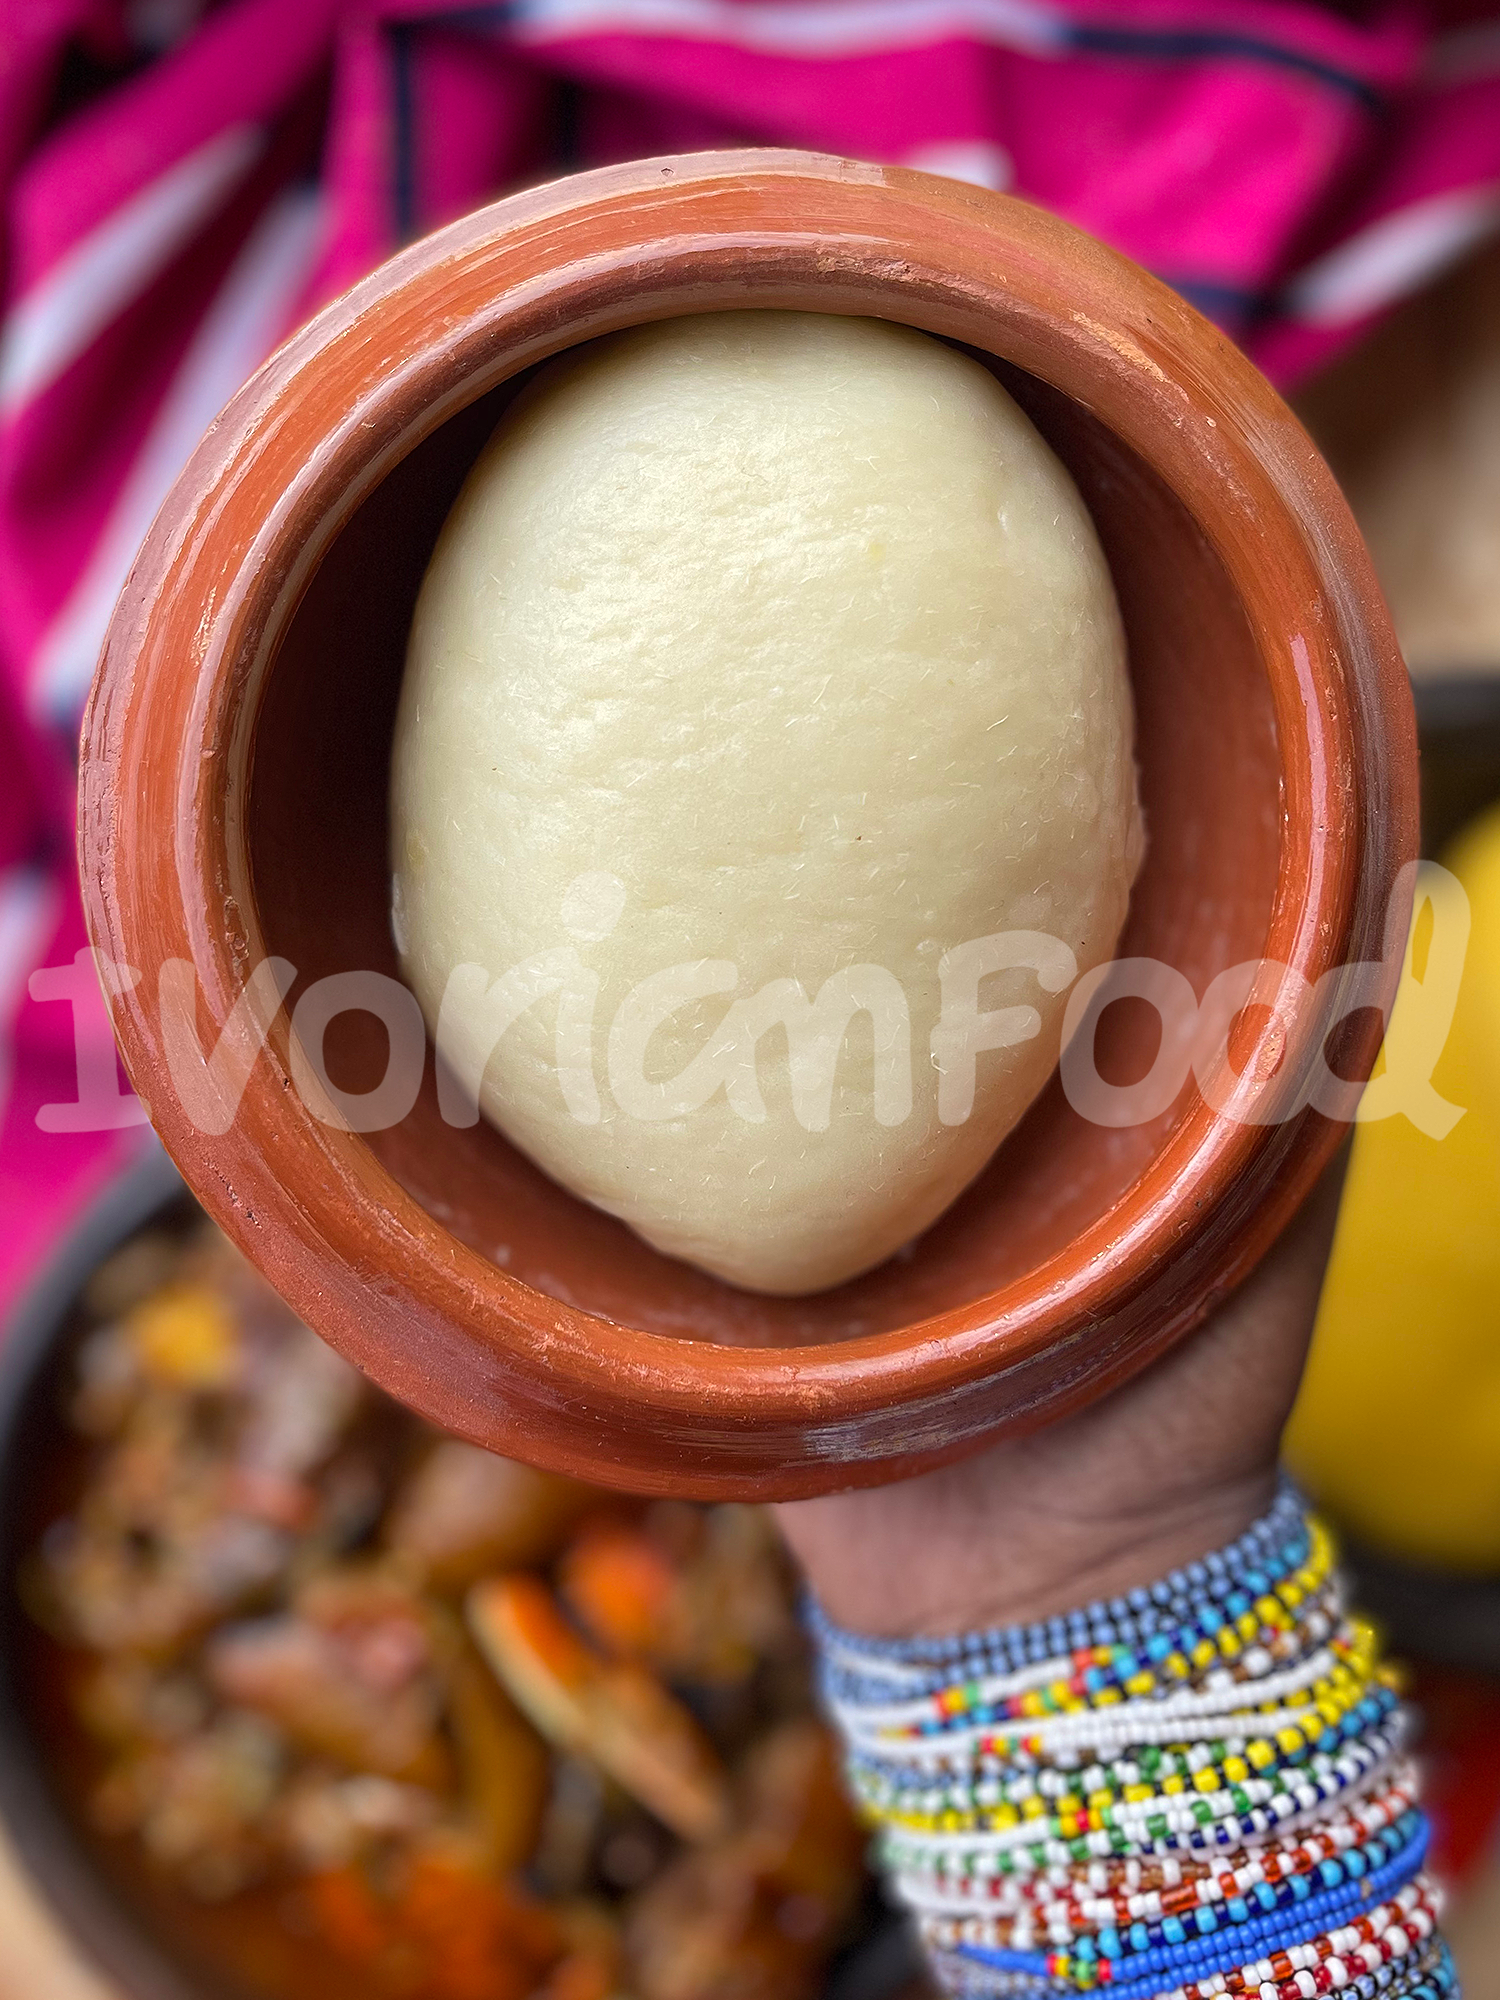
{"x":1221,"y":1950}
{"x":1268,"y":1551}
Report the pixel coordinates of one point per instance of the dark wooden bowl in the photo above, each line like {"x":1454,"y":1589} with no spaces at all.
{"x":144,"y":1939}
{"x":233,"y":804}
{"x":38,"y":1458}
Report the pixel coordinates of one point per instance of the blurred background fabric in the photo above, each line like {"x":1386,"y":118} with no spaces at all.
{"x":184,"y":184}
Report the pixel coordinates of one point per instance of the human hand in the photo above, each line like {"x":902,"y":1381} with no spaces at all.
{"x":1176,"y":1462}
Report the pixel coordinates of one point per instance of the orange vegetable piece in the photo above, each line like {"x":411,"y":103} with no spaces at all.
{"x":621,"y":1584}
{"x":479,"y":1937}
{"x":614,"y":1712}
{"x":348,"y":1914}
{"x":581,"y":1976}
{"x":504,"y":1766}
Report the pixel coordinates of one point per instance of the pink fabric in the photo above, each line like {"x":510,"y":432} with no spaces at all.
{"x":182,"y":185}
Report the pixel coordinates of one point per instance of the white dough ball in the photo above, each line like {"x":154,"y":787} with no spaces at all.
{"x":761,"y":648}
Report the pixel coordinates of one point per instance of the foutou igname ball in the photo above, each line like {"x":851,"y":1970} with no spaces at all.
{"x":763,"y":777}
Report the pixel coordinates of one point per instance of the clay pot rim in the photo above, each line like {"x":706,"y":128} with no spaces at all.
{"x":1228,"y":448}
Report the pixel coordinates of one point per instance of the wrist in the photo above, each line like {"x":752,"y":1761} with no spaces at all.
{"x":1201,"y":1785}
{"x":979,"y":1552}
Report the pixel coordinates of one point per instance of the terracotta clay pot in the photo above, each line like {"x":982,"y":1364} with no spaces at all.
{"x":234,"y":805}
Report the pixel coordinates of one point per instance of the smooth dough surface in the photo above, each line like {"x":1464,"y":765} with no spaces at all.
{"x":764,"y":646}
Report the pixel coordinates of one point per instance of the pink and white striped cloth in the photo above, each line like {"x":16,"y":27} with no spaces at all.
{"x":184,"y":183}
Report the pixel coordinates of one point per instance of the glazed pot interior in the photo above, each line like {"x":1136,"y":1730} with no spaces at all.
{"x":317,"y":844}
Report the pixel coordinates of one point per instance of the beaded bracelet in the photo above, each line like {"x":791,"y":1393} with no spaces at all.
{"x":1194,"y":1790}
{"x":1136,"y":1892}
{"x":1270,"y":1550}
{"x":950,"y":1800}
{"x":1236,"y":1895}
{"x":1426,"y":1975}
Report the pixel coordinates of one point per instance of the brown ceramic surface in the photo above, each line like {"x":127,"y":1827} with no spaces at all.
{"x":234,"y":803}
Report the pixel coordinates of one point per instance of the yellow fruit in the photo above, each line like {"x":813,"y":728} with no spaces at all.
{"x":1397,"y":1429}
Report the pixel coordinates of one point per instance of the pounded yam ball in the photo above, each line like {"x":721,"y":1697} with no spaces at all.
{"x":763,"y":778}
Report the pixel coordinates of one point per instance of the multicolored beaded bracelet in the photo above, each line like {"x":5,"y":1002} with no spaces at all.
{"x":1300,"y":1609}
{"x":1304,"y":1795}
{"x":1141,"y":1890}
{"x":1075,"y":1800}
{"x":1139,"y":1923}
{"x":1204,"y":1794}
{"x":1325,"y":1689}
{"x":1227,"y":1583}
{"x":1227,"y":1632}
{"x":1179,"y":1944}
{"x":1427,"y":1974}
